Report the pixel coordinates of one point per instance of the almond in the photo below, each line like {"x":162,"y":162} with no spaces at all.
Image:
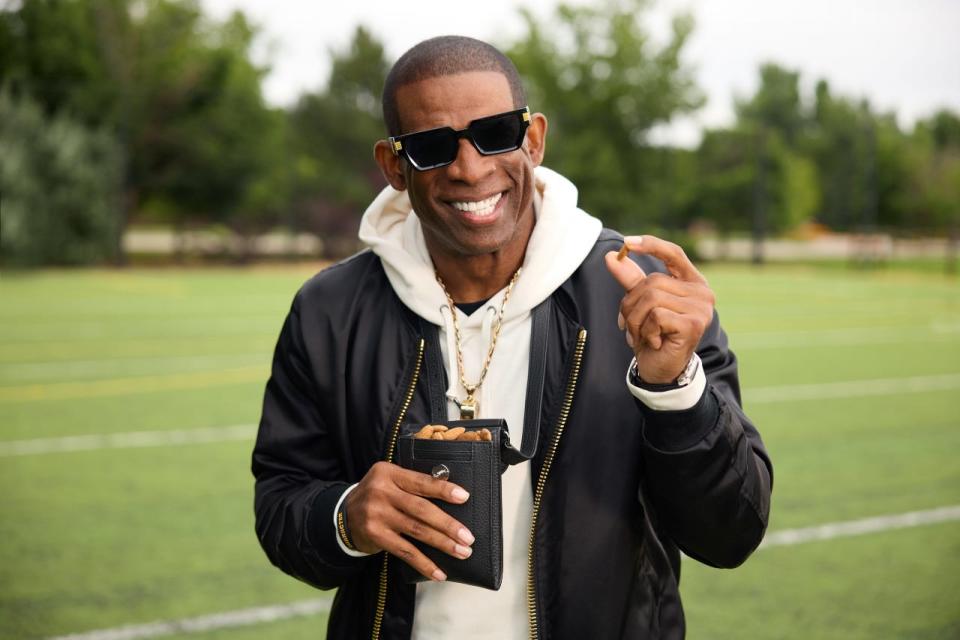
{"x":425,"y":432}
{"x":453,"y":434}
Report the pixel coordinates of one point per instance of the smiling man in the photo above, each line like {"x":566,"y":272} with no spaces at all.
{"x":486,"y":292}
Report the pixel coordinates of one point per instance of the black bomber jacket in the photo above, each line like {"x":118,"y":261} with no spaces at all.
{"x":623,"y":488}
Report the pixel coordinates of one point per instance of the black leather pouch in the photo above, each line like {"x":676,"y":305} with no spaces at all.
{"x":476,"y":466}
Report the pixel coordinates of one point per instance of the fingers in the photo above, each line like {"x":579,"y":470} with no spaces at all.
{"x":429,"y":514}
{"x":677,"y":262}
{"x":423,"y":485}
{"x":642,"y":314}
{"x":659,"y":324}
{"x":422,"y":520}
{"x":391,"y":503}
{"x":627,"y":272}
{"x":669,"y":284}
{"x":402,"y":548}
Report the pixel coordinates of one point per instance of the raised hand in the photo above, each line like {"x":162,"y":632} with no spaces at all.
{"x":391,"y":501}
{"x":663,"y":316}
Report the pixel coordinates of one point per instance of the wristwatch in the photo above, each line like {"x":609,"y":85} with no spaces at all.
{"x":686,"y":377}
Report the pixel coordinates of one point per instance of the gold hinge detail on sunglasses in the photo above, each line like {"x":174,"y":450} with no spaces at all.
{"x":397,"y":145}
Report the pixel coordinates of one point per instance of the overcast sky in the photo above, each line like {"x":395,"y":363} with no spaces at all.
{"x":903,"y":55}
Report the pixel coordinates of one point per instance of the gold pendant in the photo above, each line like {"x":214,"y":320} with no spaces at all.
{"x":469,"y":408}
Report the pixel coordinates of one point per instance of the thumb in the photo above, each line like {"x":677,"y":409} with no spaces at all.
{"x":627,"y":272}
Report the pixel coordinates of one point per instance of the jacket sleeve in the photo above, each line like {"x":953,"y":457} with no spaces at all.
{"x":707,"y":472}
{"x":299,"y":477}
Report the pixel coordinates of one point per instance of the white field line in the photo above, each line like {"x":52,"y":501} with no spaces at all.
{"x":128,"y":440}
{"x":833,"y":530}
{"x":849,"y":336}
{"x":245,"y":617}
{"x":212,"y":622}
{"x":757,"y":395}
{"x":852,"y":388}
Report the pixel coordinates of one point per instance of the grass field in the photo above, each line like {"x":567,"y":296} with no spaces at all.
{"x":109,"y":534}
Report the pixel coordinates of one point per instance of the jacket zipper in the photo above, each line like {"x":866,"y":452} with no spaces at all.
{"x":542,"y":480}
{"x":391,"y":448}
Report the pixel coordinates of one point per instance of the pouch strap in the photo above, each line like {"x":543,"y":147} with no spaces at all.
{"x":539,"y":339}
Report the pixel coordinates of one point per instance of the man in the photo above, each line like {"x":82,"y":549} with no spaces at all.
{"x":487,"y":292}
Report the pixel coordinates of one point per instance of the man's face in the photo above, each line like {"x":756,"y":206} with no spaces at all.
{"x":478,"y":204}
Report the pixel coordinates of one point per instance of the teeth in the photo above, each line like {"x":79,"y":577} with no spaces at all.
{"x":482,"y":208}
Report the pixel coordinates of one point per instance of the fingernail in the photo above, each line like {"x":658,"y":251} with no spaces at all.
{"x":459,"y":494}
{"x":465,"y":535}
{"x":462,"y":551}
{"x":633,"y":239}
{"x":629,"y":339}
{"x":439,"y":576}
{"x":620,"y":321}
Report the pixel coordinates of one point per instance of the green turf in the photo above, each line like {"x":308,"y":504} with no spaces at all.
{"x":99,"y":539}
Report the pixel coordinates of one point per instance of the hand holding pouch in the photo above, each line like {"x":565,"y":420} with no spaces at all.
{"x":476,"y":466}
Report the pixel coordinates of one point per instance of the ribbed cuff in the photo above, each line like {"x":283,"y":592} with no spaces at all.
{"x":678,"y":399}
{"x":672,"y":431}
{"x":336,"y":529}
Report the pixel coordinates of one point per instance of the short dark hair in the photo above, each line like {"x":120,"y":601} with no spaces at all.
{"x":445,"y":56}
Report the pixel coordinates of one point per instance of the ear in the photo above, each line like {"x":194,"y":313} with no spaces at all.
{"x":391,"y":166}
{"x":536,"y":141}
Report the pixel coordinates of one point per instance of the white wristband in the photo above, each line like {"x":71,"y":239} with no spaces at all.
{"x":336,"y":529}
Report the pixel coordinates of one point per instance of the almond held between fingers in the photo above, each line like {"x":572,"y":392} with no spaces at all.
{"x":453,"y":434}
{"x":622,"y":253}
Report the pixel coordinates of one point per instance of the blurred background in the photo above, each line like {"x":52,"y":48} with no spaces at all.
{"x":172,"y":170}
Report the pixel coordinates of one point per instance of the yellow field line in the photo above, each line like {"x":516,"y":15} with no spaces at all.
{"x":124,"y":386}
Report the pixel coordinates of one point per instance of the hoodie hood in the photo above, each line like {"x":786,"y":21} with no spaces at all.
{"x":561,"y":239}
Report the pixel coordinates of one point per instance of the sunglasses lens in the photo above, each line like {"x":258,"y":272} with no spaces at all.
{"x":498,"y":135}
{"x":431,"y":148}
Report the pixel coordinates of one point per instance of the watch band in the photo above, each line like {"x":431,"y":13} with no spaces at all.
{"x":685,"y":378}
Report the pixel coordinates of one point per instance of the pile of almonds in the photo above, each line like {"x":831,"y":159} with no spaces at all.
{"x":442,"y":432}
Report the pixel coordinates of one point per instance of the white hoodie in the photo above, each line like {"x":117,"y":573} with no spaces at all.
{"x":561,"y":239}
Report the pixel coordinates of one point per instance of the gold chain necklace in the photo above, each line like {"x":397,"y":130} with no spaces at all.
{"x":469,"y":406}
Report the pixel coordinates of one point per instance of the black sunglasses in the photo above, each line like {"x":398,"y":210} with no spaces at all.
{"x":438,"y":147}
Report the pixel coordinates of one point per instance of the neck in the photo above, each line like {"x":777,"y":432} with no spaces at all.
{"x":474,"y":278}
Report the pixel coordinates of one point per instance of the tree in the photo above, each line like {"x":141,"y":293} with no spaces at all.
{"x":604,"y":85}
{"x":334,"y":131}
{"x":776,"y":106}
{"x":934,"y":180}
{"x":177,"y":91}
{"x":59,"y":181}
{"x":754,"y":175}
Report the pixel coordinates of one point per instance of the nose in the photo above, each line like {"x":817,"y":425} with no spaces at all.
{"x":470,"y":165}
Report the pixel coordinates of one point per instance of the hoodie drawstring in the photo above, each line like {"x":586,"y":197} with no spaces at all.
{"x":453,"y":374}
